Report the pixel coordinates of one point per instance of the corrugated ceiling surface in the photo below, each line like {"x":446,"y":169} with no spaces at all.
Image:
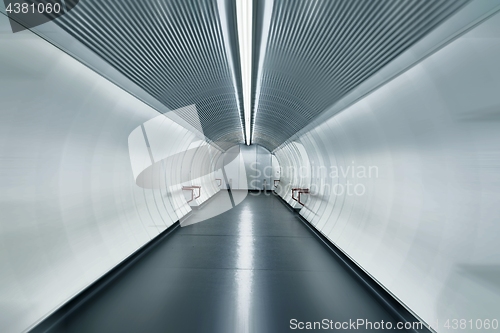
{"x":317,"y":51}
{"x":172,"y":49}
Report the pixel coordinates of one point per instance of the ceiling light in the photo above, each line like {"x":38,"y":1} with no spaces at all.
{"x":266,"y":25}
{"x":244,"y":16}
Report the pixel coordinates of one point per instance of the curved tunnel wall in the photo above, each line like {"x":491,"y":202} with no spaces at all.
{"x":426,"y":223}
{"x":71,"y":206}
{"x":166,"y":156}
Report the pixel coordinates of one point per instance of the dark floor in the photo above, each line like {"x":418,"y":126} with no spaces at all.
{"x":252,"y":269}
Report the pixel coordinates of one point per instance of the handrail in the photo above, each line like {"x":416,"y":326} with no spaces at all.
{"x":299,"y":191}
{"x":192,"y":188}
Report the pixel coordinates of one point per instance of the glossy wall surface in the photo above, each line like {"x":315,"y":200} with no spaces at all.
{"x":406,"y":181}
{"x":248,"y":168}
{"x":170,"y":158}
{"x":71,"y":207}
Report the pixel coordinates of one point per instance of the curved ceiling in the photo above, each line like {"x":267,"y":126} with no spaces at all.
{"x":317,"y":51}
{"x":174,"y":50}
{"x":307,"y":54}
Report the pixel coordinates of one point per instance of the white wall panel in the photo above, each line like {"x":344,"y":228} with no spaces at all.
{"x":248,"y":167}
{"x":70,"y":156}
{"x":180,"y":158}
{"x":426,"y":226}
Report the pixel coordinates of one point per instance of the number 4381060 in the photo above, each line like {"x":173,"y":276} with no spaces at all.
{"x":462,"y":324}
{"x":40,"y":8}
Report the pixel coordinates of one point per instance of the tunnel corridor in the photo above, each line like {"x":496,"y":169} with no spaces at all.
{"x":253,"y":268}
{"x":249,"y":166}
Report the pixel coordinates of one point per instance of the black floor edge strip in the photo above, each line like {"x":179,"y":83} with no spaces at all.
{"x":74,"y":303}
{"x":392,"y":305}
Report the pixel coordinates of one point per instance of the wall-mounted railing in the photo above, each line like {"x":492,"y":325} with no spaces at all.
{"x":299,"y":191}
{"x":192,"y":189}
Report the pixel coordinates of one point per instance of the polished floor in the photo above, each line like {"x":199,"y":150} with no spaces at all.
{"x":251,"y":269}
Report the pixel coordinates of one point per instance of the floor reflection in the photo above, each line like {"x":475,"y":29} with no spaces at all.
{"x":244,"y":273}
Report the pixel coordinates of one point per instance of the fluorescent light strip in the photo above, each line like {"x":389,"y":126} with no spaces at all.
{"x":266,"y":24}
{"x":244,"y":17}
{"x":225,"y":32}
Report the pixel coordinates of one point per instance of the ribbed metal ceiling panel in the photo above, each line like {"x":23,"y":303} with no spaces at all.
{"x":174,"y":50}
{"x":317,"y":51}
